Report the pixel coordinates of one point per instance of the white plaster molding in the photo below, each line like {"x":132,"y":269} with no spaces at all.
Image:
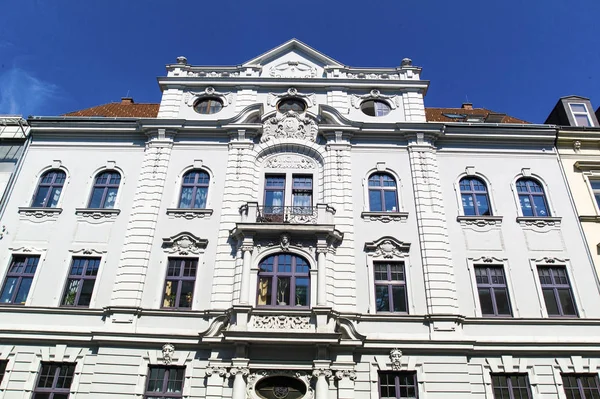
{"x":184,"y":244}
{"x":384,"y":217}
{"x":282,"y":322}
{"x":393,"y":101}
{"x":492,"y":261}
{"x":168,"y":350}
{"x":396,"y":359}
{"x":256,"y":376}
{"x":216,"y":370}
{"x":189,"y":213}
{"x":387,"y":248}
{"x":87,"y":251}
{"x":97,"y":214}
{"x":293,"y":69}
{"x":287,"y":161}
{"x":509,"y":365}
{"x":35,"y":214}
{"x":309,"y":98}
{"x":289,"y":126}
{"x":345,"y":374}
{"x":407,"y":363}
{"x":577,"y":364}
{"x":192,"y":97}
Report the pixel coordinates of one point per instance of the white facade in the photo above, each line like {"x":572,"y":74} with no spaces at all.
{"x":339,"y":345}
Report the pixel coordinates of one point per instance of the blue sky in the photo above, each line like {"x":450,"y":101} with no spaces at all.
{"x":512,"y":56}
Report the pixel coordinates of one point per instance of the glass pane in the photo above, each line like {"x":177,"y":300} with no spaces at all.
{"x":170,"y":294}
{"x":382,"y":298}
{"x":111,"y":197}
{"x":526,"y":207}
{"x":283,"y":291}
{"x":582,"y":120}
{"x":390,"y":201}
{"x":71,"y":292}
{"x":96,"y":199}
{"x":23,"y":290}
{"x":482,"y":204}
{"x":550,"y":300}
{"x":468,"y":204}
{"x":595,"y":184}
{"x":485,"y":300}
{"x":200,"y":200}
{"x":9,"y":288}
{"x":187,"y":292}
{"x":381,"y":108}
{"x":301,"y":291}
{"x":302,"y":202}
{"x":284,"y":264}
{"x":566,"y":302}
{"x":540,"y":205}
{"x":54,"y":197}
{"x":399,"y":296}
{"x":274,"y":202}
{"x":381,"y":272}
{"x":156,"y":379}
{"x":502,"y":302}
{"x":86,"y":292}
{"x":264,"y":291}
{"x":185,"y":200}
{"x":46,"y":378}
{"x":40,"y":196}
{"x":578,"y":107}
{"x":375,"y":204}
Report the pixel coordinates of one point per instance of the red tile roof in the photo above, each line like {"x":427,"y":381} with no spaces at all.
{"x":462,"y":114}
{"x":125,"y":109}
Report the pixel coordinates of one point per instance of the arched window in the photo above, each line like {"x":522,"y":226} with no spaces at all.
{"x":475,"y":200}
{"x":49,"y":189}
{"x":104,"y":193}
{"x":283,"y":280}
{"x":532,"y":198}
{"x":383,"y":196}
{"x":194,"y":189}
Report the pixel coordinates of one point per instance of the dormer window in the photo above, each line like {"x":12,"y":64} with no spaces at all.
{"x":580,"y":114}
{"x":208,"y":105}
{"x":375,"y":108}
{"x":291,"y":104}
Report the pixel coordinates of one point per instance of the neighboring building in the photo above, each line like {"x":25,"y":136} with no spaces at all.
{"x":293,"y":227}
{"x":578,"y":143}
{"x":14,"y":133}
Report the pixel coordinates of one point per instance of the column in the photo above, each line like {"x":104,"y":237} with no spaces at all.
{"x":214,"y":381}
{"x":321,"y":277}
{"x":245,"y":288}
{"x":239,"y":383}
{"x":322,"y":386}
{"x":346,"y":380}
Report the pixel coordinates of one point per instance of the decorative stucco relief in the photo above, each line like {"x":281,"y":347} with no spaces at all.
{"x":382,"y":76}
{"x":184,"y":244}
{"x":394,"y":101}
{"x":293,"y":69}
{"x":310,"y":98}
{"x":387,"y":248}
{"x":396,"y":359}
{"x":255,"y":377}
{"x":290,"y":162}
{"x":289,"y":126}
{"x":190,"y":97}
{"x":282,"y":322}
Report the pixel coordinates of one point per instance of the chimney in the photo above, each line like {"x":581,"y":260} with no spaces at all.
{"x":126,"y":100}
{"x":468,"y":106}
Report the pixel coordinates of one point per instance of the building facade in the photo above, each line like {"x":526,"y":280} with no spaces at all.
{"x":294,"y":228}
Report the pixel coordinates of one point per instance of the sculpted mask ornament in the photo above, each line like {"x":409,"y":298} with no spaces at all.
{"x":388,"y":250}
{"x":284,"y":241}
{"x":168,"y":350}
{"x":291,"y":126}
{"x":396,"y":357}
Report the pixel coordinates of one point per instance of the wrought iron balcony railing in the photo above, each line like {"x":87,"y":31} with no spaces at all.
{"x":319,"y":214}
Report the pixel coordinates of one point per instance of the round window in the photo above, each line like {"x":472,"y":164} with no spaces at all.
{"x":208,"y":105}
{"x":291,"y":104}
{"x":280,"y":387}
{"x":375,"y":108}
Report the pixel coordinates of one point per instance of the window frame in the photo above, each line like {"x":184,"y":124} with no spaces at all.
{"x":390,"y":283}
{"x":555,"y":287}
{"x":531,"y":195}
{"x":81,"y":278}
{"x":51,"y":186}
{"x":473,"y":193}
{"x":293,"y":275}
{"x":382,"y":189}
{"x":163,"y":394}
{"x":20,"y":277}
{"x":509,"y":383}
{"x":3,"y":368}
{"x":105,"y":188}
{"x":195,"y":185}
{"x":595,"y":193}
{"x":375,"y":101}
{"x":209,"y":100}
{"x":580,"y":113}
{"x":180,"y":279}
{"x":491,"y":286}
{"x":580,"y":387}
{"x":53,"y":390}
{"x":397,"y":375}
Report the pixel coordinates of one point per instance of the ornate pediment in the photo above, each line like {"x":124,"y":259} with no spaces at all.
{"x":393,"y":101}
{"x":191,"y":97}
{"x":387,"y":248}
{"x":289,"y":126}
{"x":309,"y":98}
{"x":184,"y":244}
{"x":286,"y":161}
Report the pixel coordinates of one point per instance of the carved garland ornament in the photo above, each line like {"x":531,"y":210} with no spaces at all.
{"x":282,"y":322}
{"x":191,"y":97}
{"x":293,"y":69}
{"x":289,"y":162}
{"x":393,"y":101}
{"x":310,"y":99}
{"x":289,"y":126}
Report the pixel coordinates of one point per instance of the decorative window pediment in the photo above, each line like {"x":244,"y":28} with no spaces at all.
{"x":392,"y":101}
{"x":309,"y":98}
{"x":191,"y":97}
{"x":289,"y":126}
{"x":387,"y":248}
{"x":184,"y":244}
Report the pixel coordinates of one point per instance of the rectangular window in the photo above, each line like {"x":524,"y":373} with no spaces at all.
{"x":492,"y":290}
{"x":3,"y":364}
{"x":179,"y":284}
{"x":596,"y":190}
{"x":302,"y":193}
{"x":390,"y":287}
{"x":164,"y":382}
{"x":557,"y":291}
{"x":581,"y":386}
{"x":80,"y":283}
{"x":274,"y":194}
{"x":510,"y":386}
{"x":18,"y":279}
{"x":398,"y":385}
{"x":54,"y":381}
{"x":580,"y":114}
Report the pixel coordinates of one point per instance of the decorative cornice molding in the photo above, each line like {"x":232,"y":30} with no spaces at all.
{"x":40,"y":213}
{"x":587,"y":165}
{"x":479,"y":221}
{"x":539,"y":221}
{"x":387,"y":247}
{"x":384,"y":217}
{"x":87,"y":251}
{"x":184,"y":243}
{"x":282,"y":322}
{"x":97,"y":214}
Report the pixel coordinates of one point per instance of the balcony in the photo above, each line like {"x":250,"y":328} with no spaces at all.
{"x":319,"y":214}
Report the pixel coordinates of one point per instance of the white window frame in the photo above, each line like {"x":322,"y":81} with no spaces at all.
{"x":470,"y":173}
{"x":24,"y":251}
{"x":586,"y":113}
{"x":588,"y":177}
{"x":109,"y":167}
{"x":527,"y":174}
{"x":81,"y":253}
{"x":28,"y":201}
{"x":198,"y":165}
{"x":382,"y":168}
{"x":498,"y":262}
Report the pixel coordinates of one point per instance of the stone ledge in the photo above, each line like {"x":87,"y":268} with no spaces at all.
{"x":480,"y":221}
{"x":39,"y":212}
{"x":538,"y":221}
{"x":590,"y":218}
{"x":384,"y":217}
{"x":97,"y":213}
{"x":189,"y":213}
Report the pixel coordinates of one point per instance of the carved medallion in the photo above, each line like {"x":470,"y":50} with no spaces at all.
{"x":291,"y":126}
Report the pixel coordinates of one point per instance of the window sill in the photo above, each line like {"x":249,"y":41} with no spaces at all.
{"x":384,"y":217}
{"x":39,"y":212}
{"x":539,"y":221}
{"x":480,"y":221}
{"x":97,"y":213}
{"x":189,"y":213}
{"x":590,"y":218}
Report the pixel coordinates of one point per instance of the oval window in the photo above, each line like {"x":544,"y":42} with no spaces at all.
{"x":208,"y":106}
{"x":375,"y":108}
{"x":291,"y":104}
{"x":280,"y":387}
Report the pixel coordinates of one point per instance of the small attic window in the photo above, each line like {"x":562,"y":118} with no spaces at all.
{"x":375,"y":108}
{"x":208,"y":105}
{"x":455,"y":116}
{"x":291,"y":104}
{"x":580,"y":114}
